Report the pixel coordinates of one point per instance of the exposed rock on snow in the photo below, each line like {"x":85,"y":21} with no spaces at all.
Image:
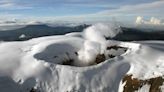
{"x":134,"y":84}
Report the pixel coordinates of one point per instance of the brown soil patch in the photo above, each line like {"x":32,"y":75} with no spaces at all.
{"x":100,"y":58}
{"x":34,"y":90}
{"x":116,"y":47}
{"x":133,"y":84}
{"x":68,"y":62}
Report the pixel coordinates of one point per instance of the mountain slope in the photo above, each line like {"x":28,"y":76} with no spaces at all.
{"x":133,"y":34}
{"x":33,"y":31}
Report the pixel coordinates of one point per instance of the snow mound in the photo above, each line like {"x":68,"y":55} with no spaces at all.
{"x":22,"y":36}
{"x":32,"y":67}
{"x":75,"y":34}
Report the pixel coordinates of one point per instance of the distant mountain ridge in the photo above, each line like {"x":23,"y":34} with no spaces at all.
{"x":134,"y":34}
{"x":40,"y":30}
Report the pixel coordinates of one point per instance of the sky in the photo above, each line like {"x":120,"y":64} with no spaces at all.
{"x":80,"y":10}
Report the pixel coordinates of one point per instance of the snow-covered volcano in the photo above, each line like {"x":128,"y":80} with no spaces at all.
{"x":82,"y":62}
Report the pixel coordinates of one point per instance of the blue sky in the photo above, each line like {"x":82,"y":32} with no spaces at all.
{"x":80,"y":10}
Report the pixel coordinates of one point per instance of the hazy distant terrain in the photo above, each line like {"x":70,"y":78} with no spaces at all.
{"x":40,"y":30}
{"x":134,"y":34}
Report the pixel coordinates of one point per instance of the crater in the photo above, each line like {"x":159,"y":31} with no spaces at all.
{"x":66,"y":54}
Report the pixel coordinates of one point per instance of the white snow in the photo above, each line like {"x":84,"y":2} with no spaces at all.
{"x":22,"y":36}
{"x":75,"y":34}
{"x":146,"y":62}
{"x":37,"y":63}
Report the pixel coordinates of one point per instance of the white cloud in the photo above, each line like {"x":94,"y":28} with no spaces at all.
{"x":122,"y":13}
{"x":139,"y":8}
{"x":151,"y":21}
{"x":155,"y":21}
{"x":8,"y":16}
{"x":9,"y":5}
{"x":139,"y":20}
